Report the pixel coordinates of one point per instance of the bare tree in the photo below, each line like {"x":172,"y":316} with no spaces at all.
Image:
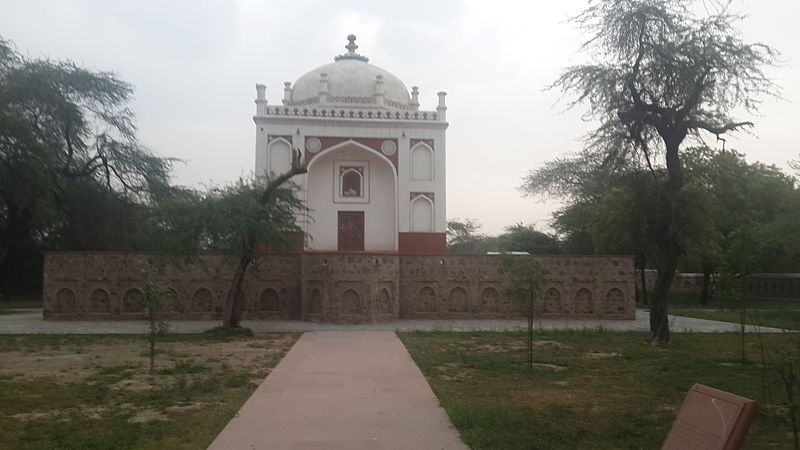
{"x":659,"y":74}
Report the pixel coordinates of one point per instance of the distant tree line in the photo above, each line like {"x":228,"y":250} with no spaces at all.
{"x":74,"y":176}
{"x":735,"y":216}
{"x":465,"y":238}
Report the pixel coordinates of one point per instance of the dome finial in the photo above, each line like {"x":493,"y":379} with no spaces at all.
{"x":351,"y":47}
{"x":351,"y":50}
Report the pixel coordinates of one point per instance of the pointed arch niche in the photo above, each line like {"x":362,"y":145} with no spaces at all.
{"x":280,"y":156}
{"x":331,"y":186}
{"x":421,"y":212}
{"x":422,"y":162}
{"x":351,"y":181}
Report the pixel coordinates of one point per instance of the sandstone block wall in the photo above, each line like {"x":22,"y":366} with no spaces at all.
{"x":350,"y":288}
{"x":757,"y":285}
{"x":105,"y":286}
{"x":461,"y":286}
{"x":345,"y":288}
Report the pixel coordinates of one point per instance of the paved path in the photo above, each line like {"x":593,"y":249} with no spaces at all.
{"x":31,"y":323}
{"x":342,"y":390}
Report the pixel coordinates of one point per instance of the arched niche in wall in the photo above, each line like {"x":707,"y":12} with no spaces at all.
{"x":384,"y":303}
{"x":552,"y":301}
{"x":269,"y":301}
{"x":351,"y":302}
{"x":583,"y":301}
{"x":422,"y":162}
{"x":490,"y":300}
{"x":422,"y":214}
{"x":458,"y":301}
{"x":133,"y":301}
{"x":171,"y":302}
{"x":65,"y":301}
{"x":280,"y":156}
{"x":202,"y":300}
{"x":316,"y":302}
{"x":351,"y":182}
{"x":426,"y":300}
{"x":615,"y":301}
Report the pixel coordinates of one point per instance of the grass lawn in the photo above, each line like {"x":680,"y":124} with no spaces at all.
{"x":590,"y":389}
{"x":776,"y":313}
{"x":94,"y":392}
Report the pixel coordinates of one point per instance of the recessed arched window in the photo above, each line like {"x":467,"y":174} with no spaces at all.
{"x":280,"y":156}
{"x":422,"y":214}
{"x":351,"y":182}
{"x":422,"y":163}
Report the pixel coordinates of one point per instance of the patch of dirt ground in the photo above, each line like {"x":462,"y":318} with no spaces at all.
{"x":70,"y":364}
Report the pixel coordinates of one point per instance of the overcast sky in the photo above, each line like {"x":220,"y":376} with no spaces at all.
{"x":195,"y":65}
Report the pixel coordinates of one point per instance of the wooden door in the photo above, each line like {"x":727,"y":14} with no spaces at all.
{"x":351,"y":231}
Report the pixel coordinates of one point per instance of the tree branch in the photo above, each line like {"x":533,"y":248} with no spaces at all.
{"x":636,"y":96}
{"x":715,"y":129}
{"x":297,"y":169}
{"x":696,"y":95}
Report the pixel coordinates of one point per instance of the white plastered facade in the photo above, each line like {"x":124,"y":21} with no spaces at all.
{"x":361,"y":118}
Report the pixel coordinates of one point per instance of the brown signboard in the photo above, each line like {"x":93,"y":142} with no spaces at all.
{"x":711,"y":419}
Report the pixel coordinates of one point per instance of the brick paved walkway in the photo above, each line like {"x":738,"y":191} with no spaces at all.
{"x":342,"y":390}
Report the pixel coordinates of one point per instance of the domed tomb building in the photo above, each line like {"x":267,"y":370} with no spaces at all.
{"x":376,"y":162}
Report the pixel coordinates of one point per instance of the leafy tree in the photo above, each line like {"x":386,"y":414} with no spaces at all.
{"x":660,"y":74}
{"x":745,"y":201}
{"x":570,"y":224}
{"x":525,"y":238}
{"x":463,"y":237}
{"x":232,"y":219}
{"x":608,"y":204}
{"x":65,"y":132}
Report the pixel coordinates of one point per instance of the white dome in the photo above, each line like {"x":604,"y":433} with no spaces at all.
{"x":351,"y":80}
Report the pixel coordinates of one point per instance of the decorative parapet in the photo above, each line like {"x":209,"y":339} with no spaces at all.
{"x":349,"y":101}
{"x":351,"y":113}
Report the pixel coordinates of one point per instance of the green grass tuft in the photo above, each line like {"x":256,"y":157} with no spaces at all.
{"x":227,"y":332}
{"x":613,"y":390}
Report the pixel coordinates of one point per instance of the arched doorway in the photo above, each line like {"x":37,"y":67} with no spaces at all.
{"x":351,"y":192}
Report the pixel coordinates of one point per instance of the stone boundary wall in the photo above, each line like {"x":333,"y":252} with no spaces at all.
{"x":335,"y":287}
{"x":464,"y":287}
{"x":108,"y":286}
{"x":757,"y":285}
{"x":350,"y":288}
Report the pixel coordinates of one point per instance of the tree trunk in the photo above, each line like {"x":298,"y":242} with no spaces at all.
{"x":705,"y":290}
{"x":665,"y":234}
{"x":641,"y":294}
{"x":233,"y":302}
{"x":659,"y":319}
